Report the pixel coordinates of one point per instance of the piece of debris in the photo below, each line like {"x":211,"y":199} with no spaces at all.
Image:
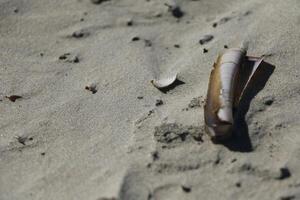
{"x":159,"y":102}
{"x":175,"y":10}
{"x":135,"y":39}
{"x":43,"y":153}
{"x":225,"y":46}
{"x":176,"y":45}
{"x":289,"y":197}
{"x":13,"y":98}
{"x":238,"y":184}
{"x":140,"y":97}
{"x":80,"y":34}
{"x":205,"y":39}
{"x":41,"y":54}
{"x":130,"y":23}
{"x":68,"y":57}
{"x":91,"y":88}
{"x":16,"y":10}
{"x":205,"y":50}
{"x":154,"y":156}
{"x":22,"y":139}
{"x":98,"y":1}
{"x":215,"y":24}
{"x":186,"y":188}
{"x":284,"y":173}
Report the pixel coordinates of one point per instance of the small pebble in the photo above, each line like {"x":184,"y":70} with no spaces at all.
{"x":284,"y":173}
{"x":225,"y":46}
{"x":91,"y":88}
{"x":205,"y":50}
{"x":13,"y":98}
{"x":140,"y":97}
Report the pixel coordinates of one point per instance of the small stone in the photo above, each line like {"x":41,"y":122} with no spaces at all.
{"x":205,"y":50}
{"x":43,"y":153}
{"x":154,"y":156}
{"x":148,"y":43}
{"x":130,"y":23}
{"x":140,"y":97}
{"x":176,"y":45}
{"x":214,"y":24}
{"x":225,"y":46}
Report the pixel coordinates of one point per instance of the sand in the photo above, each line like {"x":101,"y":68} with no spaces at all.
{"x":89,"y":124}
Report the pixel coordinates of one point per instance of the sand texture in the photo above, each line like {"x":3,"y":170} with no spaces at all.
{"x":79,"y":118}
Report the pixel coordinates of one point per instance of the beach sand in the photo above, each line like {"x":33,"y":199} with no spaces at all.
{"x":86,"y":123}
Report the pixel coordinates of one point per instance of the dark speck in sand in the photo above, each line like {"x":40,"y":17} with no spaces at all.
{"x":43,"y":153}
{"x":175,"y":10}
{"x":130,"y":23}
{"x":68,"y":57}
{"x":159,"y":102}
{"x":186,"y":189}
{"x":268,"y":101}
{"x":205,"y":39}
{"x":140,"y":97}
{"x":16,"y":10}
{"x":148,"y":43}
{"x":238,"y":184}
{"x":225,"y":46}
{"x":154,"y":156}
{"x":284,"y":173}
{"x":176,"y":45}
{"x":98,"y":1}
{"x":289,"y":197}
{"x":13,"y":98}
{"x":215,"y":24}
{"x":91,"y":88}
{"x":205,"y":50}
{"x":135,"y":39}
{"x":80,"y":34}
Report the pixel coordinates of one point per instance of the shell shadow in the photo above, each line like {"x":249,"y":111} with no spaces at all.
{"x":240,"y":141}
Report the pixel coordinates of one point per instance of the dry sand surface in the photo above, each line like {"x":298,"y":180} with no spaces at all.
{"x":79,"y":118}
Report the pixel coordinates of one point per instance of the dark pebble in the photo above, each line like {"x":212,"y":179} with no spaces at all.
{"x":205,"y":50}
{"x":186,"y":189}
{"x":135,"y":39}
{"x":159,"y":102}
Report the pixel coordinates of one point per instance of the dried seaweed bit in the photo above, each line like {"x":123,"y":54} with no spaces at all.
{"x":186,"y":188}
{"x":205,"y":50}
{"x":284,"y":173}
{"x":175,"y":10}
{"x":91,"y":88}
{"x":13,"y":98}
{"x":98,"y":1}
{"x":148,"y":43}
{"x":135,"y":39}
{"x":205,"y":39}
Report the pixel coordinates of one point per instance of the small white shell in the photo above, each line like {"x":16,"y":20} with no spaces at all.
{"x":164,"y":82}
